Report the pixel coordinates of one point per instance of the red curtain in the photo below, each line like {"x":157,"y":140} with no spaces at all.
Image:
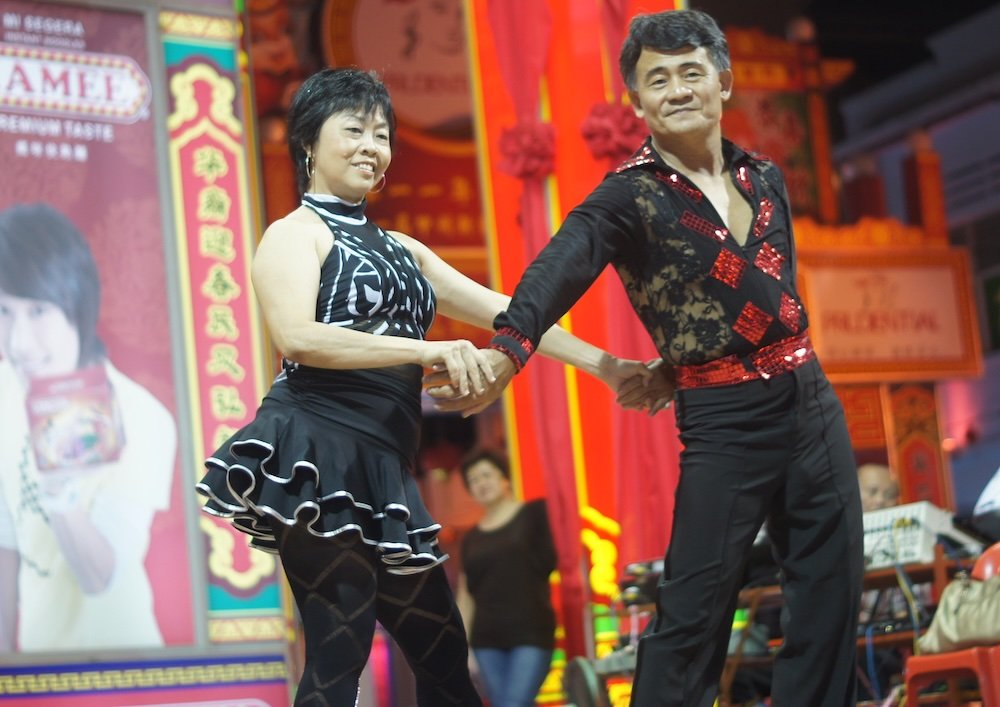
{"x":646,"y":451}
{"x":631,"y":460}
{"x":521,"y":34}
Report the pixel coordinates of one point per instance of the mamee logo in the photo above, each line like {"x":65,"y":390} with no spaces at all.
{"x":75,"y":84}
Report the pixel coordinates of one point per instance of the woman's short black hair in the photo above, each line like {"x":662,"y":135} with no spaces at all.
{"x":43,"y":256}
{"x":492,"y":456}
{"x":325,"y":93}
{"x":668,"y":31}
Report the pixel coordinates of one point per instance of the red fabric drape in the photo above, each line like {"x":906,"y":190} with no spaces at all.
{"x":646,"y":452}
{"x":614,"y":21}
{"x":521,"y":34}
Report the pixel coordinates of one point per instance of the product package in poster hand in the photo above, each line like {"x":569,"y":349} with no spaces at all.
{"x":74,"y":420}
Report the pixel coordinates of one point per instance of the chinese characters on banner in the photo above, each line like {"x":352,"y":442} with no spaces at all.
{"x":209,"y":171}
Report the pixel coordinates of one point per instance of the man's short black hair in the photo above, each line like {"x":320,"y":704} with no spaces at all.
{"x":669,"y":31}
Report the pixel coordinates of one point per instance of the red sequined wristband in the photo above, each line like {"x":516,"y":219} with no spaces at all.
{"x":518,"y":364}
{"x":514,"y":345}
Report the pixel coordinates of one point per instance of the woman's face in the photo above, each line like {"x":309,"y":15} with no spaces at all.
{"x":487,"y":484}
{"x":37,"y":338}
{"x":351,"y":154}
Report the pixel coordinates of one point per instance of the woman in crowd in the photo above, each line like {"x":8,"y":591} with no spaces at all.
{"x":503,"y":590}
{"x":322,"y":475}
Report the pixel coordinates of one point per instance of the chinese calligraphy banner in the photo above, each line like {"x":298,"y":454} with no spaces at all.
{"x":209,"y":173}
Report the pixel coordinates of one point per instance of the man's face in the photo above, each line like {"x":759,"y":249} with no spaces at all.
{"x":680,"y":92}
{"x":878,"y":488}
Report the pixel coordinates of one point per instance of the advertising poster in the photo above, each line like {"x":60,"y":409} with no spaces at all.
{"x":93,"y":553}
{"x":775,"y":124}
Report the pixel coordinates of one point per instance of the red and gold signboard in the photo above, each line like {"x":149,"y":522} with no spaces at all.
{"x":891,"y":316}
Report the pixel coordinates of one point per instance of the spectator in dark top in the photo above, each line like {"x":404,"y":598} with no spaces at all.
{"x":503,"y":590}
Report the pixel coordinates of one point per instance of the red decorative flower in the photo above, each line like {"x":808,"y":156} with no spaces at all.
{"x":613,"y":131}
{"x":529,"y":150}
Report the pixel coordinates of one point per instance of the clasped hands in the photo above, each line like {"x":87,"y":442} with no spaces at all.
{"x":638,"y":385}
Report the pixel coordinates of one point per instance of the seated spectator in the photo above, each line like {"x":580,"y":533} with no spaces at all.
{"x":879,"y":488}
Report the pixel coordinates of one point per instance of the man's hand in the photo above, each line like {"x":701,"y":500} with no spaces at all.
{"x":450,"y":399}
{"x":615,"y":371}
{"x":652,"y":391}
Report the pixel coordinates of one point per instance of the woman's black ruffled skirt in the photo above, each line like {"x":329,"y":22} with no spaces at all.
{"x":334,"y":452}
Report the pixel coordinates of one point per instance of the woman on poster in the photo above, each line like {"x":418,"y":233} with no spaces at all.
{"x":323,"y":474}
{"x":86,"y":454}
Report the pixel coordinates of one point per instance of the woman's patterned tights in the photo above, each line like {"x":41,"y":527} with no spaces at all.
{"x":341,"y":588}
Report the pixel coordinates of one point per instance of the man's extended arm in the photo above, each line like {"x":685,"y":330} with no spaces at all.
{"x":596,"y":232}
{"x":593,"y":234}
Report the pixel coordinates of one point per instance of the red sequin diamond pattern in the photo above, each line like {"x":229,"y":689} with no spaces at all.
{"x":789,"y":313}
{"x":764,"y":212}
{"x":645,"y":156}
{"x":771,"y":360}
{"x":728,"y":268}
{"x":743,"y":177}
{"x":675,"y":181}
{"x":769,"y":260}
{"x":703,"y":226}
{"x":752,"y":323}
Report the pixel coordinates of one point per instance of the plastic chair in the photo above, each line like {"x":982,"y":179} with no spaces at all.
{"x":982,"y":661}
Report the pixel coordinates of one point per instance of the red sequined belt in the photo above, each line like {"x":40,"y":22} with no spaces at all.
{"x":774,"y":359}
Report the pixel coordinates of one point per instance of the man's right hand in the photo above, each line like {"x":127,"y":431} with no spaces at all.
{"x":466,"y":369}
{"x":449,"y":399}
{"x":652,"y":393}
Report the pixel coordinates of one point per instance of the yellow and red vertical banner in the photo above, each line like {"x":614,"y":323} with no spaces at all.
{"x":207,"y":151}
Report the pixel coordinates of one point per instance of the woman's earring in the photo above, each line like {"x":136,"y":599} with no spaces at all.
{"x":381,"y":180}
{"x":310,"y":167}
